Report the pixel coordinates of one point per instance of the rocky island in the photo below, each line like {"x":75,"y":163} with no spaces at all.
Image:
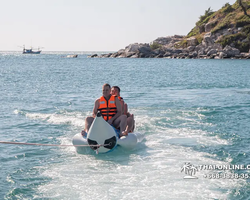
{"x":217,"y":35}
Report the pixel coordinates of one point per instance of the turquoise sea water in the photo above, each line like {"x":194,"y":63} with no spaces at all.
{"x":189,"y":111}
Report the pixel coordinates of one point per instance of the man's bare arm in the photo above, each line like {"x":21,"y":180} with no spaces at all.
{"x":95,"y":109}
{"x":122,"y":106}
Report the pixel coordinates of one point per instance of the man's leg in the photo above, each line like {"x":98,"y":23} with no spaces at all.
{"x":130,"y":123}
{"x":121,"y":122}
{"x":88,"y":122}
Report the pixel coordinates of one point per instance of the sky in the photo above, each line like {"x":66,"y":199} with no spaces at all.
{"x":96,"y":25}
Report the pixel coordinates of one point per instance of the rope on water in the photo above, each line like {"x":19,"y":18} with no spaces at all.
{"x":55,"y":145}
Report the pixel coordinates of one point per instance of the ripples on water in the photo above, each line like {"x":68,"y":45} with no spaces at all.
{"x":193,"y":111}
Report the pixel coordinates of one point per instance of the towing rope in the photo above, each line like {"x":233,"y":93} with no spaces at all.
{"x":56,"y":145}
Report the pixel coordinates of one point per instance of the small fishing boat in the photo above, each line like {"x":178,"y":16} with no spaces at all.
{"x":31,"y":51}
{"x":103,"y":134}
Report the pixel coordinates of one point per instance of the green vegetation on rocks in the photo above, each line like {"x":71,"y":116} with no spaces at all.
{"x":205,"y":18}
{"x":181,"y":44}
{"x":242,"y":20}
{"x":235,"y":40}
{"x":235,"y":17}
{"x":240,"y":40}
{"x":155,"y":45}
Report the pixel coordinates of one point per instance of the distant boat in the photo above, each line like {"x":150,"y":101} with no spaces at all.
{"x":31,"y":51}
{"x":72,"y":56}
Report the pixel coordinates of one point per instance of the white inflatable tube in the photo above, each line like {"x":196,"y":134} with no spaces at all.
{"x":101,"y":133}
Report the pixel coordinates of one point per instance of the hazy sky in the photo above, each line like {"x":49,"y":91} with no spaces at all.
{"x":96,"y":25}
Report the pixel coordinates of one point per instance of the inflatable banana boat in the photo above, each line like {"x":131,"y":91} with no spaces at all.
{"x":103,"y":138}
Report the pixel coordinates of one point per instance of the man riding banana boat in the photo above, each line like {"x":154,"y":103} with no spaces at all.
{"x":111,"y":111}
{"x":108,"y":126}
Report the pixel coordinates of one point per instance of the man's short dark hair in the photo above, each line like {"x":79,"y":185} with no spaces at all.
{"x":117,"y":88}
{"x":106,"y":84}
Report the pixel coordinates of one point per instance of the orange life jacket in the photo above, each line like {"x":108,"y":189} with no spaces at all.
{"x":120,"y":98}
{"x":107,"y":108}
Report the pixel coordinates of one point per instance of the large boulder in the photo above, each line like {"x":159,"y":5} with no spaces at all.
{"x":217,"y":46}
{"x":138,"y":48}
{"x":192,"y":41}
{"x":201,"y":52}
{"x":199,"y":47}
{"x":163,"y":40}
{"x":222,"y":55}
{"x":211,"y":52}
{"x":130,"y":54}
{"x":245,"y":55}
{"x":93,"y":56}
{"x":230,"y":51}
{"x":106,"y":55}
{"x":191,"y":48}
{"x":167,"y":54}
{"x":193,"y":54}
{"x":210,"y":25}
{"x":169,"y":42}
{"x":145,"y":49}
{"x":114,"y":55}
{"x":132,"y":48}
{"x":207,"y":40}
{"x":177,"y":51}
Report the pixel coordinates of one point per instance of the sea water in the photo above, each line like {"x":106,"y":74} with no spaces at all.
{"x":190,"y":112}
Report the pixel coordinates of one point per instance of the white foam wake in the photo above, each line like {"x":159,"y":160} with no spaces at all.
{"x":72,"y":118}
{"x":153,"y":171}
